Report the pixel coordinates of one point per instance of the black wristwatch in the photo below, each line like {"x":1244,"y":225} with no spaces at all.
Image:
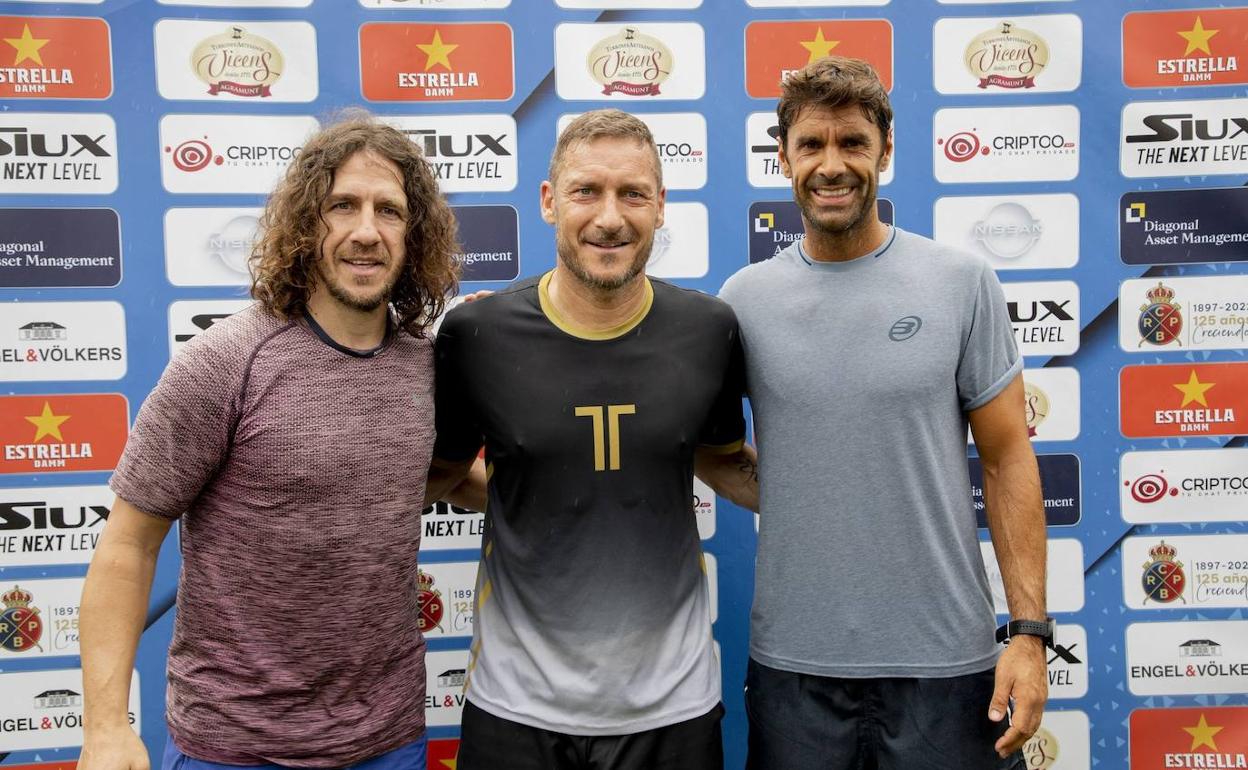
{"x":1045,"y":629}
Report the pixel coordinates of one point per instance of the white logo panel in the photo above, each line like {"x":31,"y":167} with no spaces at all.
{"x":276,"y":59}
{"x":447,"y":603}
{"x":996,"y":2}
{"x":43,"y":709}
{"x":1052,"y":403}
{"x":1033,"y":54}
{"x":39,"y":618}
{"x":1178,"y":315}
{"x":812,"y":3}
{"x":189,"y":317}
{"x":680,"y":138}
{"x":241,"y":3}
{"x":1068,"y":662}
{"x":63,"y":153}
{"x":704,"y":509}
{"x":1045,"y":316}
{"x":62,"y":341}
{"x":449,"y":526}
{"x":210,"y":246}
{"x":51,"y":525}
{"x":1063,"y":742}
{"x":1184,"y":486}
{"x":629,"y":4}
{"x":684,"y":77}
{"x":445,"y":674}
{"x":1187,"y":138}
{"x":682,"y":245}
{"x":1191,"y":572}
{"x":1013,"y":232}
{"x":468,"y":153}
{"x":1006,"y":144}
{"x":433,"y":5}
{"x":762,"y":137}
{"x":222,"y":154}
{"x":1064,"y":578}
{"x":1188,"y":658}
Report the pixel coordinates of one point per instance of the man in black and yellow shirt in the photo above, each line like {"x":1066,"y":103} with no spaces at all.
{"x":593,"y":390}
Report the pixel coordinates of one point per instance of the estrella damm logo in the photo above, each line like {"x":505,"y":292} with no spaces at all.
{"x":402,"y":62}
{"x":1163,"y":49}
{"x":54,"y":58}
{"x":67,"y":432}
{"x":1163,"y":578}
{"x":775,"y":49}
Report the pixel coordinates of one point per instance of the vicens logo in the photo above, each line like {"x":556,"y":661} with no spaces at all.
{"x":630,"y":62}
{"x":238,"y":62}
{"x":1007,"y":56}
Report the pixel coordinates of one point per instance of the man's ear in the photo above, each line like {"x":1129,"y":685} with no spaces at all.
{"x":547,"y":192}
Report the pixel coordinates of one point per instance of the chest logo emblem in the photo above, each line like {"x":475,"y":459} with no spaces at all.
{"x":905,"y":328}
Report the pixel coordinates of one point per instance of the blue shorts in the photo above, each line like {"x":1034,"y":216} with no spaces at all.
{"x":409,"y":757}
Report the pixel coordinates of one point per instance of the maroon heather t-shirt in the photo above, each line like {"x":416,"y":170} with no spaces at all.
{"x":298,"y":469}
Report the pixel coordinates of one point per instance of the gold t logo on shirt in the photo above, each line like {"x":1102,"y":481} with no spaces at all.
{"x":606,"y":432}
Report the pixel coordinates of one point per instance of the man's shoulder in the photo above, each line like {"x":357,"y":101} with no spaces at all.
{"x":920,"y":253}
{"x":492,"y":308}
{"x":692,"y":303}
{"x":232,"y":341}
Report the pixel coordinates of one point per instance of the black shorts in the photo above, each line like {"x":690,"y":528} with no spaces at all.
{"x":806,"y":722}
{"x":488,"y":742}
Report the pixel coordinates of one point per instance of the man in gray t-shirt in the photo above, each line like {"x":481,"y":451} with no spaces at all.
{"x":292,"y":441}
{"x":868,"y":352}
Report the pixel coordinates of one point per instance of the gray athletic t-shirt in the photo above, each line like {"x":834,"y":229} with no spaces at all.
{"x":860,"y":375}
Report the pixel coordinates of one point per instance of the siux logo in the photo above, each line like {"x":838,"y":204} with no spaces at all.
{"x":1185,"y":126}
{"x":202,"y":322}
{"x":21,"y":142}
{"x":436,"y":144}
{"x":40,"y":515}
{"x":1038,"y":310}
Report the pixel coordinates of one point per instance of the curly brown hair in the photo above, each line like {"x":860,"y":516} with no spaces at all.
{"x":284,"y":259}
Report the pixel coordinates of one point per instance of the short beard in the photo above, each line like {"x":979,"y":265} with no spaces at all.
{"x":837,"y":229}
{"x":567,"y":255}
{"x":365,"y":304}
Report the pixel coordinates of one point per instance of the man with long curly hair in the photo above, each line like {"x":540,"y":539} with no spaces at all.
{"x":293,"y":441}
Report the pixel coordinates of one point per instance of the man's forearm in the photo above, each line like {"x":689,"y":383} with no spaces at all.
{"x":1015,"y":511}
{"x":447,"y":477}
{"x":734,"y":475}
{"x":113,"y":610}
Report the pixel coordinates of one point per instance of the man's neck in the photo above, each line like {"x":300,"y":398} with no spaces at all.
{"x":823,"y":246}
{"x":351,"y":328}
{"x":594,"y":309}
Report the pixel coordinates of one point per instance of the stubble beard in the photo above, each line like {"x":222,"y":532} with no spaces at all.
{"x":568,"y":255}
{"x":366,"y":303}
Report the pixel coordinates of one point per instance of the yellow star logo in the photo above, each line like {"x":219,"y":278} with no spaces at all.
{"x":819,"y":47}
{"x":1194,"y":390}
{"x":437,"y":52}
{"x":27,"y":46}
{"x":1198,"y":38}
{"x":48,"y":424}
{"x":1202,"y":734}
{"x":451,"y":763}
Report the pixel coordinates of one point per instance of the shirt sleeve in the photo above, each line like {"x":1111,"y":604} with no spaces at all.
{"x":459,"y":431}
{"x":724,"y":429}
{"x":990,"y":358}
{"x":182,"y":434}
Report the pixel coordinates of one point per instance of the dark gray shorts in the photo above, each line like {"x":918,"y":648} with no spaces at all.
{"x":807,"y":722}
{"x":488,"y":742}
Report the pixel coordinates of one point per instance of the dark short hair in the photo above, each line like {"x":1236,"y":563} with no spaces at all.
{"x":833,"y":82}
{"x":284,"y":260}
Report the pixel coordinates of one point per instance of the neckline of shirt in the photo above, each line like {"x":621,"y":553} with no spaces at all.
{"x":353,"y":352}
{"x":580,"y":332}
{"x":849,"y":264}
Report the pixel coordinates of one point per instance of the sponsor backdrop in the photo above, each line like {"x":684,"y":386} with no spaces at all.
{"x":1094,"y":151}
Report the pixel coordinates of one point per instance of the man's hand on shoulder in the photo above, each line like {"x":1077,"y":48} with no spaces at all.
{"x":733,"y":474}
{"x":113,"y":748}
{"x":1022,"y":674}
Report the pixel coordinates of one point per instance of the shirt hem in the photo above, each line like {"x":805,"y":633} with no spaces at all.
{"x":621,"y":728}
{"x":995,"y":389}
{"x":877,"y":670}
{"x":321,"y":759}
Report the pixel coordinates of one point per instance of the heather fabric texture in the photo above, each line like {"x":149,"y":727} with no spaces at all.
{"x":868,"y":555}
{"x":593,"y":614}
{"x":298,"y":471}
